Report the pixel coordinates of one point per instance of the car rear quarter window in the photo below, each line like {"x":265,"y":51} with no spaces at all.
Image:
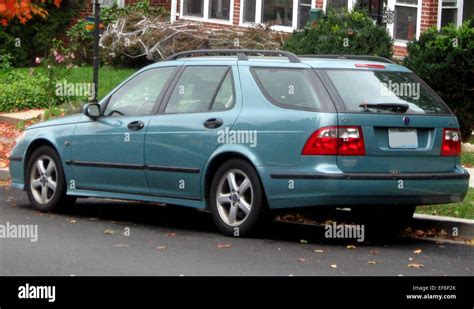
{"x":293,"y":88}
{"x":357,"y":87}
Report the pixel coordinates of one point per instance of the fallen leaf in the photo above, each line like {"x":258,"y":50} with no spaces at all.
{"x":351,"y":247}
{"x":303,"y":241}
{"x":420,"y":233}
{"x":415,"y":265}
{"x":417,"y":251}
{"x":301,"y":260}
{"x":442,"y":233}
{"x":71,"y":221}
{"x":333,"y":265}
{"x":371,"y":262}
{"x":171,"y":234}
{"x":161,"y":247}
{"x":374,"y":252}
{"x":318,"y":251}
{"x":121,"y":245}
{"x":111,"y":232}
{"x":223,"y":246}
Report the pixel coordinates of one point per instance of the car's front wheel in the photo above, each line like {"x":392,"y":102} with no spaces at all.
{"x":236,"y":198}
{"x":45,"y":182}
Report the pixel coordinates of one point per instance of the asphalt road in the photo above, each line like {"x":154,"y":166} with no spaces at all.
{"x":89,"y":239}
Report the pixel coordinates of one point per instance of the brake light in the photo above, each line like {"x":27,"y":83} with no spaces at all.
{"x":370,"y":65}
{"x":451,"y":145}
{"x":343,"y":141}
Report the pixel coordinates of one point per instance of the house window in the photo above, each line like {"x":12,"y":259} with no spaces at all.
{"x":449,"y":12}
{"x":219,"y":9}
{"x":249,"y":11}
{"x":303,"y":13}
{"x":193,"y":8}
{"x":283,"y":14}
{"x":406,"y":13}
{"x":278,"y":13}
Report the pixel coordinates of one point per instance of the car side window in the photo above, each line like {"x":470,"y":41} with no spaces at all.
{"x":288,"y":87}
{"x":202,"y":89}
{"x":138,"y":96}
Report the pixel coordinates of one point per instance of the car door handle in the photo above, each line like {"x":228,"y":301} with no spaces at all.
{"x":136,"y":125}
{"x":213,"y":123}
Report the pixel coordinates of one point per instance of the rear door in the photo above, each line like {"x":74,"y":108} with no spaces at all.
{"x":203,"y":100}
{"x":396,"y":141}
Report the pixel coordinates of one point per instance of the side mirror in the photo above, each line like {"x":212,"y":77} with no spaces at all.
{"x":92,"y":110}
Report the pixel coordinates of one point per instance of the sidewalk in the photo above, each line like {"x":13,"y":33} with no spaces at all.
{"x":13,"y":119}
{"x":471,"y":180}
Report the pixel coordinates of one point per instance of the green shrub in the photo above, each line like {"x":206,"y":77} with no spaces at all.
{"x":81,"y":42}
{"x":20,"y":91}
{"x":445,"y":60}
{"x":342,"y":32}
{"x":112,"y":13}
{"x":25,"y":42}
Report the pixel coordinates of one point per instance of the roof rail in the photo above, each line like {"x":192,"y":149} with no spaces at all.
{"x":350,"y":57}
{"x":240,"y":53}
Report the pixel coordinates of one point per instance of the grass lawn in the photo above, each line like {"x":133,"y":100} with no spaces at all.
{"x":464,"y":209}
{"x":109,"y":77}
{"x":467,"y":158}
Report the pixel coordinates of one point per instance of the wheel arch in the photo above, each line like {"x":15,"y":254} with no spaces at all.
{"x":32,"y":147}
{"x":217,"y":160}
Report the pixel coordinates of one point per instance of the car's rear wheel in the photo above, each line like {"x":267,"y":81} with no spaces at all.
{"x":45,"y":181}
{"x":236,"y":198}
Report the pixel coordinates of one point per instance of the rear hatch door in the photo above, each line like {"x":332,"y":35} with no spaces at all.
{"x":401,"y":118}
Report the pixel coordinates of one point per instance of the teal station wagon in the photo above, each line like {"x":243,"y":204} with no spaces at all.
{"x":240,"y":132}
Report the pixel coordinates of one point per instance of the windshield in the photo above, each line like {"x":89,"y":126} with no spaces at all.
{"x":371,"y":91}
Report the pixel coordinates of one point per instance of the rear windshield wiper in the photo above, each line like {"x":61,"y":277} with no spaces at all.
{"x":394,"y":107}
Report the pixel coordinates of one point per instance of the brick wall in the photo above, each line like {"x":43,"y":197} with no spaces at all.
{"x":399,"y":51}
{"x":236,"y":17}
{"x":429,"y":14}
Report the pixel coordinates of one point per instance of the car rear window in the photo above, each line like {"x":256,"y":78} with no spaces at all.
{"x":357,"y":88}
{"x":288,"y":87}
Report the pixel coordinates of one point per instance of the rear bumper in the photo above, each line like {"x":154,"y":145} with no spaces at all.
{"x":299,"y":189}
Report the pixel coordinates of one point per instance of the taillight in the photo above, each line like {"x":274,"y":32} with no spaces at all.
{"x":343,"y":141}
{"x":451,"y":145}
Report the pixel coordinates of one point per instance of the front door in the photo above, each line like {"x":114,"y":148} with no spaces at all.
{"x":108,"y":153}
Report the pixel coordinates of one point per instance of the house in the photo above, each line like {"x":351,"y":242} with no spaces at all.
{"x":404,"y":19}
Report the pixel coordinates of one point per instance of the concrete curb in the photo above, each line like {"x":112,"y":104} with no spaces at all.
{"x":13,"y":118}
{"x":464,"y":227}
{"x":443,"y":219}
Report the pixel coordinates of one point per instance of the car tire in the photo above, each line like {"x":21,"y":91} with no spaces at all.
{"x":45,"y":182}
{"x":237,"y":200}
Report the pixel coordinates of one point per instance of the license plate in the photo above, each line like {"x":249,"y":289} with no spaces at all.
{"x":402,"y":138}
